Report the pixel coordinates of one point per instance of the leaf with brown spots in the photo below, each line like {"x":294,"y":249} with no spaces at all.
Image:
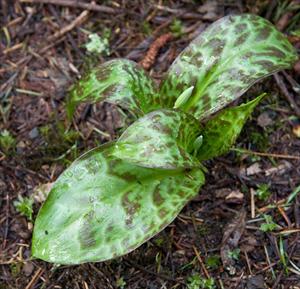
{"x":102,"y":207}
{"x":119,"y":81}
{"x":161,"y":139}
{"x":221,"y":132}
{"x":224,"y":61}
{"x":116,"y":197}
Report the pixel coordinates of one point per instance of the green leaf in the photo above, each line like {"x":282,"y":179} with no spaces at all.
{"x":160,"y":139}
{"x":102,"y":207}
{"x":220,"y":132}
{"x":234,"y":254}
{"x":184,"y":97}
{"x":24,"y":206}
{"x":263,"y":192}
{"x":269,"y":226}
{"x":118,"y":81}
{"x":224,"y":61}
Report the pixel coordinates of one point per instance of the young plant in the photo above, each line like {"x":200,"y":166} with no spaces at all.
{"x":263,"y":192}
{"x":117,"y":196}
{"x":197,"y":282}
{"x":234,"y":254}
{"x":98,"y":44}
{"x":24,"y":206}
{"x":7,"y":142}
{"x":269,"y":225}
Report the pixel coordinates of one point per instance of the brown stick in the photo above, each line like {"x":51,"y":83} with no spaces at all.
{"x":291,"y":80}
{"x":69,"y":27}
{"x":37,"y":275}
{"x":75,"y":4}
{"x":70,"y":38}
{"x":286,"y":93}
{"x":252,"y":193}
{"x":272,"y":155}
{"x":201,"y":262}
{"x":285,"y":217}
{"x":13,"y":48}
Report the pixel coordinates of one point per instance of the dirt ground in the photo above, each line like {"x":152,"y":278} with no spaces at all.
{"x":43,"y":51}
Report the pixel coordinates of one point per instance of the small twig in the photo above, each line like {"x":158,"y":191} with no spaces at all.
{"x":158,"y":29}
{"x":167,"y":9}
{"x":154,"y":12}
{"x":265,"y":209}
{"x":279,"y":156}
{"x":269,"y":262}
{"x":86,"y":286}
{"x":37,"y":274}
{"x":13,"y":48}
{"x":297,"y":213}
{"x":295,"y":85}
{"x":8,"y":82}
{"x":6,"y":221}
{"x":283,"y":214}
{"x":252,"y":192}
{"x":69,"y":35}
{"x":44,"y":49}
{"x":286,"y":93}
{"x":221,"y":284}
{"x":81,"y":18}
{"x":287,"y":232}
{"x":75,"y":4}
{"x":248,"y":263}
{"x":201,"y":262}
{"x":277,"y":281}
{"x":149,"y":59}
{"x":266,"y":268}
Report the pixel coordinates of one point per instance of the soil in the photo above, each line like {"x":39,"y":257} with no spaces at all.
{"x":42,"y":52}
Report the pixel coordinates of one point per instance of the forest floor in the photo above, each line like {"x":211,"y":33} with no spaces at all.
{"x":43,"y":50}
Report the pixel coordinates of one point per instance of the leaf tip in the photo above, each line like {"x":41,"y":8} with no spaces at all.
{"x":184,"y":97}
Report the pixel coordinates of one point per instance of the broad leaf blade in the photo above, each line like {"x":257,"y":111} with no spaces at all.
{"x":102,"y":207}
{"x":221,"y":132}
{"x":160,"y":139}
{"x":118,"y":81}
{"x":224,"y":61}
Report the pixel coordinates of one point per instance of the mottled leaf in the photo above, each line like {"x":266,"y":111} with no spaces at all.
{"x":118,"y":81}
{"x":224,"y":61}
{"x":160,"y":139}
{"x":102,"y":207}
{"x":220,"y":132}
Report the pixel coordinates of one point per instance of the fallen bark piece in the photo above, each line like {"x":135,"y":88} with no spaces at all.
{"x":235,"y":196}
{"x":230,"y":196}
{"x":280,"y":169}
{"x":253,"y":169}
